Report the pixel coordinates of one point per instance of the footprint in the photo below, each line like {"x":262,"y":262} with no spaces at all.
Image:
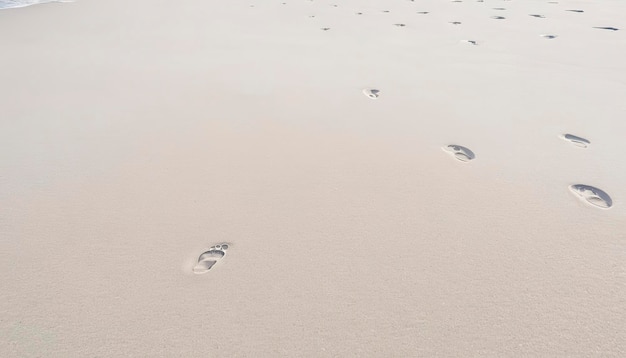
{"x":550,"y":37}
{"x":209,"y":258}
{"x":606,"y":28}
{"x":455,"y":22}
{"x":537,"y":15}
{"x":325,"y":28}
{"x":399,"y":25}
{"x":459,"y":152}
{"x":592,"y":195}
{"x":498,"y":17}
{"x":499,"y":8}
{"x":471,"y":42}
{"x":371,"y":93}
{"x":576,"y":140}
{"x":575,"y":10}
{"x":422,"y":12}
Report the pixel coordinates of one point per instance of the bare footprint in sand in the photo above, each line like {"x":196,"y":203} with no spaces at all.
{"x":592,"y":195}
{"x":471,"y":42}
{"x":576,"y":140}
{"x":459,"y":152}
{"x":208,"y":259}
{"x":371,"y":93}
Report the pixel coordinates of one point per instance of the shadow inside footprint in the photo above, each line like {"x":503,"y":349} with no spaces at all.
{"x":592,"y":195}
{"x":576,"y":140}
{"x":459,"y":152}
{"x":209,"y":258}
{"x":498,"y":17}
{"x":371,"y":93}
{"x":606,"y":28}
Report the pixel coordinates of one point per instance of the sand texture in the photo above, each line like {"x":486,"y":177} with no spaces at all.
{"x":295,"y":178}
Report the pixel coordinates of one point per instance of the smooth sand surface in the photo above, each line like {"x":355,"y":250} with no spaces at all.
{"x":136,"y":135}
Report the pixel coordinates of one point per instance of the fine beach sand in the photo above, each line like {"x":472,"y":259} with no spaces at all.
{"x":136,"y":135}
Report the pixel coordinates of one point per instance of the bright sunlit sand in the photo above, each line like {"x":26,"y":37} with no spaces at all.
{"x":313,"y":179}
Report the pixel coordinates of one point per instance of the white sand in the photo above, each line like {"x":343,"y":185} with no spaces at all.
{"x":137,"y":134}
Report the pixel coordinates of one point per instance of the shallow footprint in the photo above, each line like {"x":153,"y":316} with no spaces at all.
{"x":459,"y":152}
{"x":576,"y":140}
{"x":209,"y":258}
{"x":550,"y":37}
{"x":592,"y":195}
{"x":371,"y":93}
{"x":606,"y":28}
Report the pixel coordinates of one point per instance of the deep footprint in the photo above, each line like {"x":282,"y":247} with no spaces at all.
{"x":606,"y":28}
{"x":459,"y":152}
{"x":576,"y":140}
{"x":209,"y":258}
{"x":592,"y":195}
{"x":371,"y":93}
